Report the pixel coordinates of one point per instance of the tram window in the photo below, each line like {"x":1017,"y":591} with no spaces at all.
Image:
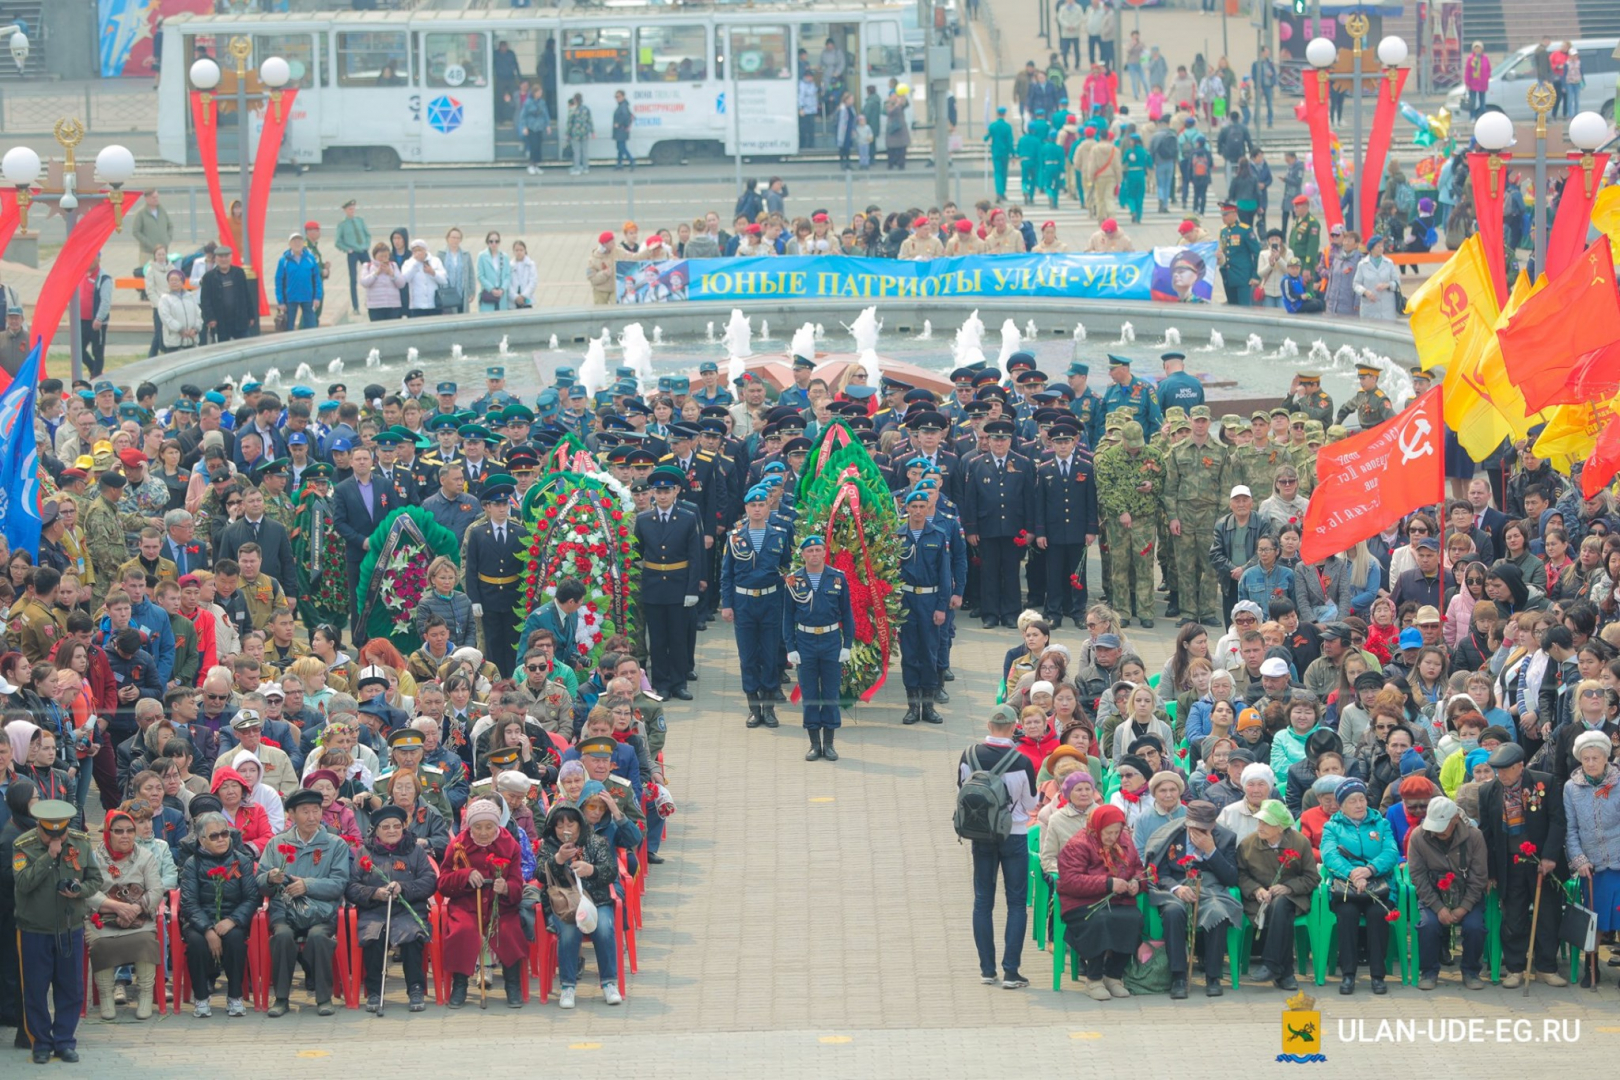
{"x":884,"y":53}
{"x":762,"y":52}
{"x":374,"y":58}
{"x":671,"y":53}
{"x":456,"y":59}
{"x":297,"y":49}
{"x":597,"y":56}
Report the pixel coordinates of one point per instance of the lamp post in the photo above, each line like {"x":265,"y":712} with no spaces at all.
{"x":274,"y":73}
{"x":115,"y":166}
{"x":1588,"y":131}
{"x":1322,"y":54}
{"x":17,"y":37}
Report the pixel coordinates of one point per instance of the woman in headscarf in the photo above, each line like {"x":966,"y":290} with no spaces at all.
{"x":606,"y":819}
{"x":336,"y":814}
{"x":481,"y":884}
{"x":514,"y":788}
{"x":1077,"y":798}
{"x":121,"y":926}
{"x":571,"y":781}
{"x":251,"y":769}
{"x":33,"y":754}
{"x":427,"y":826}
{"x":20,"y":798}
{"x":245,"y":817}
{"x":217,"y":900}
{"x":392,"y":870}
{"x":572,"y":856}
{"x":1358,"y":855}
{"x":1099,"y":877}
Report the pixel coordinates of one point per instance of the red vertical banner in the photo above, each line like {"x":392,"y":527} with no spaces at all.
{"x":10,"y":218}
{"x":205,"y":117}
{"x":1383,"y":130}
{"x":1316,"y":116}
{"x":1567,"y":239}
{"x":61,"y":288}
{"x":1490,"y":192}
{"x":264,"y":172}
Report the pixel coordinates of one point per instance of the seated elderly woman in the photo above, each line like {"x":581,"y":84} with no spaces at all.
{"x":604,"y":817}
{"x":1132,"y":795}
{"x":1099,"y":877}
{"x":1211,"y":770}
{"x":1165,"y":789}
{"x":1077,"y":798}
{"x":1193,"y":863}
{"x":247,"y":818}
{"x":1359,"y":857}
{"x":1054,"y":768}
{"x":140,"y":811}
{"x":427,"y":827}
{"x":572,"y":856}
{"x":390,"y":883}
{"x":1277,"y":875}
{"x":571,"y":780}
{"x":1259,"y":783}
{"x":1035,"y":738}
{"x":247,"y":766}
{"x":1313,"y":819}
{"x":122,"y":928}
{"x":218,"y":897}
{"x":337,"y":813}
{"x":481,"y":883}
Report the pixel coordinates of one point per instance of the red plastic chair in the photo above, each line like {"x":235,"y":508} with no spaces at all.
{"x":345,"y":967}
{"x":544,"y":952}
{"x":259,"y":957}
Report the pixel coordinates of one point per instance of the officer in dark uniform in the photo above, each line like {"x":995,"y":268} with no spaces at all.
{"x":670,"y":540}
{"x":478,"y":465}
{"x":55,"y":874}
{"x":388,"y":472}
{"x":720,"y":477}
{"x":1178,"y":388}
{"x":1239,"y":255}
{"x":1132,"y":393}
{"x":1311,"y":399}
{"x":1086,"y":405}
{"x":962,"y":381}
{"x":756,"y":556}
{"x":497,"y":396}
{"x":925,"y":582}
{"x":1031,"y":384}
{"x":998,"y":492}
{"x":818,"y":624}
{"x":497,"y":553}
{"x":1065,"y":521}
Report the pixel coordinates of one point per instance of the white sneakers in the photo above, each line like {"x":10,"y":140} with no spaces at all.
{"x":566,"y":1000}
{"x":533,"y":171}
{"x":235,"y":1007}
{"x":202,"y":1010}
{"x":611,"y":995}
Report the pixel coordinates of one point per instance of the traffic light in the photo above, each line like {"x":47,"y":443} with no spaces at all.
{"x":1299,"y":7}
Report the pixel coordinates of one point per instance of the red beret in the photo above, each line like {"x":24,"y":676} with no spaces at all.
{"x":963,"y":225}
{"x":308,"y":225}
{"x":981,"y":232}
{"x":605,"y":238}
{"x":1301,"y":199}
{"x":818,"y":217}
{"x":755,"y":229}
{"x":1185,"y":227}
{"x":920,"y":223}
{"x":1048,"y":224}
{"x":1109,"y":225}
{"x":132,"y":457}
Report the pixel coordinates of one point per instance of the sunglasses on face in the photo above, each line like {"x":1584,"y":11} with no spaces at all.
{"x":220,"y":835}
{"x":1592,"y":693}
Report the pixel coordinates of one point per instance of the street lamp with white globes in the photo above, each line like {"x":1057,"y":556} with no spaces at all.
{"x":1322,"y":54}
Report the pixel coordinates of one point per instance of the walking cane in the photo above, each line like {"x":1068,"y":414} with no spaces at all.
{"x":388,"y":926}
{"x":1597,"y":943}
{"x":1530,"y":954}
{"x":482,"y":1003}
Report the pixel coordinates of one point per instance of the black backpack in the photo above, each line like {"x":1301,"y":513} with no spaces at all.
{"x":983,"y":805}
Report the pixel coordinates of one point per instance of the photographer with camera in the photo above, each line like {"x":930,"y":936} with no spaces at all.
{"x":55,"y":875}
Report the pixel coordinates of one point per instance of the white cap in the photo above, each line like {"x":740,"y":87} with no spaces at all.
{"x":272,"y":689}
{"x":1040,"y":687}
{"x":1241,"y":489}
{"x":291,"y":237}
{"x":419,"y":243}
{"x":1274,"y":667}
{"x":373,"y":673}
{"x":1438,"y":816}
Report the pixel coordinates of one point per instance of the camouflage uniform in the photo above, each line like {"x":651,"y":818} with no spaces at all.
{"x":1257,"y":467}
{"x":1105,"y":552}
{"x":33,"y":631}
{"x":149,"y":499}
{"x":1119,"y":472}
{"x":280,"y":508}
{"x":1372,"y":407}
{"x":1316,"y":405}
{"x":1194,"y":496}
{"x":263,"y":597}
{"x":104,"y":527}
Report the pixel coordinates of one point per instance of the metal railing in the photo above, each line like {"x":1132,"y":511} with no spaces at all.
{"x":118,"y":107}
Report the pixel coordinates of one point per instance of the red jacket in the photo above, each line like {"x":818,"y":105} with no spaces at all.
{"x":1037,"y":751}
{"x":99,"y":680}
{"x":1083,"y":876}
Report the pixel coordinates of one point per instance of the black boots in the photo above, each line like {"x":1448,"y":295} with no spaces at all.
{"x":929,"y":714}
{"x":827,"y":750}
{"x":458,"y":992}
{"x":512,"y":977}
{"x":755,"y":712}
{"x":815,"y":744}
{"x":767,"y":708}
{"x":913,"y":707}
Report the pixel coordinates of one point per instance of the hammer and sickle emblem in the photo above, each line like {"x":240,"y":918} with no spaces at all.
{"x":1454,"y":306}
{"x":1413,"y":441}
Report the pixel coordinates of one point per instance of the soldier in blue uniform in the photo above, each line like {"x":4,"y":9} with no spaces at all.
{"x":497,"y":553}
{"x":944,"y":515}
{"x":757,"y":555}
{"x":1177,"y":387}
{"x":55,"y":876}
{"x":711,"y":392}
{"x":670,"y":541}
{"x":818,"y":623}
{"x":797,"y":395}
{"x":996,"y":502}
{"x":495,"y":395}
{"x":1065,"y":521}
{"x":577,"y":416}
{"x":925,"y":581}
{"x":1132,"y":393}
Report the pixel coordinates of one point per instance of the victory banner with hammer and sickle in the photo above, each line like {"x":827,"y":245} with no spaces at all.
{"x":1368,"y":482}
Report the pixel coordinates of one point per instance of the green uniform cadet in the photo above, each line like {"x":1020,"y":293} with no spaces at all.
{"x":1176,"y":429}
{"x":50,"y":927}
{"x":1193,"y":497}
{"x":1371,"y":405}
{"x":1052,"y":169}
{"x":104,"y":526}
{"x":430,"y":780}
{"x":1133,"y":185}
{"x":1240,"y":260}
{"x":1129,"y":479}
{"x":1000,"y":137}
{"x":1305,"y":241}
{"x":1311,"y":400}
{"x":1029,"y":163}
{"x":1257,"y":468}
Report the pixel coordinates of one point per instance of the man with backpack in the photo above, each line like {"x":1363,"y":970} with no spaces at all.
{"x":995,"y":801}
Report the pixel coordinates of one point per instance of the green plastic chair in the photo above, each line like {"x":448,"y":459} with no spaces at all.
{"x":1153,"y":930}
{"x":1304,"y":938}
{"x":1493,"y":933}
{"x":1038,"y":892}
{"x":1325,"y":950}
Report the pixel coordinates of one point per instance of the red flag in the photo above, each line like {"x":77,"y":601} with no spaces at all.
{"x":1604,"y":462}
{"x":72,"y":263}
{"x":1315,"y":85}
{"x":1367,"y":482}
{"x":1559,"y":360}
{"x":1383,"y":128}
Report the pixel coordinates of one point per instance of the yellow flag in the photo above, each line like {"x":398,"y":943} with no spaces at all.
{"x":1606,"y":214}
{"x":1445,"y":306}
{"x":1485,"y":371}
{"x":1572,"y":431}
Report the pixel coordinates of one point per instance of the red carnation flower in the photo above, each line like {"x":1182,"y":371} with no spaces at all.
{"x":1445,"y":881}
{"x":1185,"y":860}
{"x":1074,"y":579}
{"x":1393,"y":917}
{"x":287,"y":851}
{"x":499,"y":863}
{"x":366,"y":864}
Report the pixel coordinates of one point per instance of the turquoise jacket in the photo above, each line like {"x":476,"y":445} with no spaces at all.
{"x":1369,"y":842}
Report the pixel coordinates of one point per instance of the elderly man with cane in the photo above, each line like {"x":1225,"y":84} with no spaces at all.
{"x":1522,"y":817}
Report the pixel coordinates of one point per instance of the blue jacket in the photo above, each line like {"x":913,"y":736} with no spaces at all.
{"x":154,"y":623}
{"x":1371,"y":842}
{"x":298,"y":281}
{"x":1263,"y":588}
